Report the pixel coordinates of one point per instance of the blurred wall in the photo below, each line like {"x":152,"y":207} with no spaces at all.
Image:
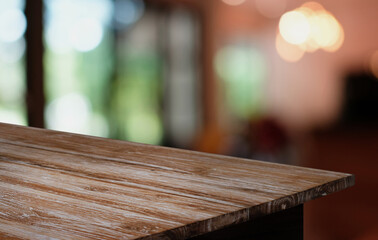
{"x":306,"y":93}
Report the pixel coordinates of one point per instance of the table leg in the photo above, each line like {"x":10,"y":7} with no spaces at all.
{"x":286,"y":224}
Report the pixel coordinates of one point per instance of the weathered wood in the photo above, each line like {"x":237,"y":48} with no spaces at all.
{"x":61,"y":185}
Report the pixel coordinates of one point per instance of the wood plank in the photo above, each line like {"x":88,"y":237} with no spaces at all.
{"x":63,"y":185}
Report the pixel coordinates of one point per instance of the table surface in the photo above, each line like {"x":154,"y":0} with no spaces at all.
{"x":61,"y":185}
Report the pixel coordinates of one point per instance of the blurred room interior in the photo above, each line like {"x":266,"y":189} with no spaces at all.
{"x":284,"y":81}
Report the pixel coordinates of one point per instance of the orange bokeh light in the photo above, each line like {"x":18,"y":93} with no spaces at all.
{"x":294,"y":27}
{"x":234,"y":2}
{"x":311,"y":27}
{"x":287,"y":51}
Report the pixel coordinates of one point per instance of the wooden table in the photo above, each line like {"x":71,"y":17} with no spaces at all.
{"x":57,"y":185}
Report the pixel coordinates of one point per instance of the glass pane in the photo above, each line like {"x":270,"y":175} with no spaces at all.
{"x":182,"y":92}
{"x":107,"y":70}
{"x":136,"y":101}
{"x":242,"y":69}
{"x":12,"y":70}
{"x":78,"y":64}
{"x":156,"y":97}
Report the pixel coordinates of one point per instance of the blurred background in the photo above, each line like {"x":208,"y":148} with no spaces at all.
{"x":285,"y":81}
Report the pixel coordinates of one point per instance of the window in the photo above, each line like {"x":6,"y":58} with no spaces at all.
{"x":122,"y":69}
{"x":12,"y":70}
{"x":78,"y":65}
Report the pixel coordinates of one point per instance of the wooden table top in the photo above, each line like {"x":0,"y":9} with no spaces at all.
{"x":66,"y":186}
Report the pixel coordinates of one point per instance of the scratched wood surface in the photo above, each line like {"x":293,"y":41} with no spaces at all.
{"x":64,"y":186}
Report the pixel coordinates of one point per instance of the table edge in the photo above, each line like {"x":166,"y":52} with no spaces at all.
{"x":246,"y":214}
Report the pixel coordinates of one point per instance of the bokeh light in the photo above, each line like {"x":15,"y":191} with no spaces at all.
{"x":238,"y":63}
{"x":4,"y":4}
{"x":234,"y":2}
{"x":86,"y":34}
{"x":309,"y":46}
{"x":336,"y":45}
{"x":9,"y":116}
{"x":271,"y":8}
{"x":127,"y":12}
{"x":144,"y":127}
{"x":326,"y":29}
{"x":287,"y":51}
{"x":69,"y":113}
{"x":12,"y":52}
{"x":12,"y":24}
{"x":310,"y":27}
{"x":12,"y":84}
{"x":243,"y":70}
{"x":76,"y":24}
{"x":294,"y":27}
{"x":12,"y":49}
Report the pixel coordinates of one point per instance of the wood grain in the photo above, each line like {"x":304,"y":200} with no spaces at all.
{"x":66,"y":186}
